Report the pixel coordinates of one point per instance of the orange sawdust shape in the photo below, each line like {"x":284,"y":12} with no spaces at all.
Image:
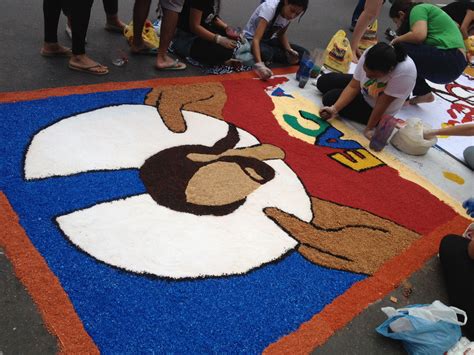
{"x":31,"y":269}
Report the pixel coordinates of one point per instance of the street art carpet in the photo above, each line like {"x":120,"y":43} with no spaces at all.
{"x":206,"y":214}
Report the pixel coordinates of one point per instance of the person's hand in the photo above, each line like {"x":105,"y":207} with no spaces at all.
{"x":465,"y":32}
{"x":327,"y":112}
{"x":395,"y":40}
{"x":226,"y":42}
{"x":429,"y":134}
{"x":356,"y":54}
{"x":469,"y":206}
{"x":233,"y":33}
{"x":262,"y":71}
{"x":292,"y":56}
{"x":369,"y":133}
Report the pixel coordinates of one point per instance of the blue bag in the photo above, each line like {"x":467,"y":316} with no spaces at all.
{"x":422,"y":336}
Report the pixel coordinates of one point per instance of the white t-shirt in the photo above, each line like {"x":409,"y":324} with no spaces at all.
{"x":398,"y":83}
{"x":266,"y":11}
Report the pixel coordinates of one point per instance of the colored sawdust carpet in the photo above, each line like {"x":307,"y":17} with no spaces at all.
{"x":208,"y":214}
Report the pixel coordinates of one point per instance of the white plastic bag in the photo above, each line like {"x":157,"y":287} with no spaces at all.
{"x":409,"y":139}
{"x":424,"y":329}
{"x":434,"y":312}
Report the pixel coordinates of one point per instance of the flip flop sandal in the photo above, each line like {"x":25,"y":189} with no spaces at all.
{"x":146,"y":51}
{"x":90,"y":70}
{"x":67,"y":53}
{"x":177,"y":65}
{"x":113,"y":28}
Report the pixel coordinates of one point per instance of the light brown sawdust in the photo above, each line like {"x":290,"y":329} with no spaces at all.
{"x":219,"y":184}
{"x":345,"y":238}
{"x":205,"y":98}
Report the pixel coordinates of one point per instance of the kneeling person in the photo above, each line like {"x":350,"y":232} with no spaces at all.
{"x":382,"y":82}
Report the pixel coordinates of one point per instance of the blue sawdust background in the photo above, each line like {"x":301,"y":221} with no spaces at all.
{"x":126,"y":312}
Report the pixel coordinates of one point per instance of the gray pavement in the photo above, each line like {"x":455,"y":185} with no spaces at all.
{"x":22,"y":68}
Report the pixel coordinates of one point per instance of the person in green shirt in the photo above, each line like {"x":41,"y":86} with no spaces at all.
{"x":434,"y":42}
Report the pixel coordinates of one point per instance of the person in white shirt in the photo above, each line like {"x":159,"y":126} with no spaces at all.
{"x":382,"y":82}
{"x":267,"y":29}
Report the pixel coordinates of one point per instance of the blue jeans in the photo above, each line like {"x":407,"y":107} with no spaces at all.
{"x":440,"y":66}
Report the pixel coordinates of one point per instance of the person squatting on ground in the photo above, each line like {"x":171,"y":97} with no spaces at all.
{"x":171,"y":10}
{"x":267,"y":31}
{"x":203,"y":35}
{"x":382,"y":81}
{"x":80,"y":14}
{"x":433,"y":40}
{"x":457,"y":260}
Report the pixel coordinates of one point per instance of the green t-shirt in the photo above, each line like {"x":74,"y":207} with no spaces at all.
{"x":443,"y":32}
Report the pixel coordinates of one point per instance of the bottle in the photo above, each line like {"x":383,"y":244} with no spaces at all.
{"x":382,"y":133}
{"x":303,"y":66}
{"x":304,"y":72}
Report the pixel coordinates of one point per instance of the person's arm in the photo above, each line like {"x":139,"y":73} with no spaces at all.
{"x":466,"y":129}
{"x":470,"y":249}
{"x":347,"y":95}
{"x":466,"y":23}
{"x":283,"y":38}
{"x":381,"y":105}
{"x":195,"y":17}
{"x":416,"y":35}
{"x":370,"y":13}
{"x":219,"y":23}
{"x":261,"y":69}
{"x":259,"y":32}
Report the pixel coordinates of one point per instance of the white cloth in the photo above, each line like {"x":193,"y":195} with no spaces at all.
{"x":398,"y":83}
{"x":266,"y":11}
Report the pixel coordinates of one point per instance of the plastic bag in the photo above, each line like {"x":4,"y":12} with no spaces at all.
{"x":244,"y":53}
{"x":424,"y":329}
{"x":150,"y":38}
{"x":462,"y":347}
{"x":370,"y":36}
{"x":339,"y":53}
{"x":409,"y":139}
{"x":469,"y":43}
{"x":382,"y":132}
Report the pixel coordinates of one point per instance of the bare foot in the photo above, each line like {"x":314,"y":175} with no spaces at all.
{"x":55,"y":50}
{"x":423,"y":99}
{"x":84,"y":63}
